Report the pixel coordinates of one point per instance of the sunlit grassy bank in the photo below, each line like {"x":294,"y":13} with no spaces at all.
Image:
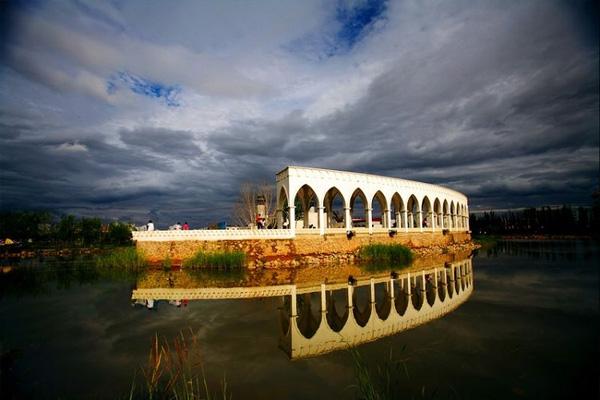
{"x":391,"y":255}
{"x":221,"y":259}
{"x":127,"y":258}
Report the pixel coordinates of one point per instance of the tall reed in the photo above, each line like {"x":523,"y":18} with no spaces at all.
{"x":127,"y":258}
{"x":175,"y":371}
{"x":388,"y":255}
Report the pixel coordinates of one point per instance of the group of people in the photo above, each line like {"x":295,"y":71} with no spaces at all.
{"x":176,"y":227}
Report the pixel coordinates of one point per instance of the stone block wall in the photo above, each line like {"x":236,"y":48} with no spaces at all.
{"x":328,"y":247}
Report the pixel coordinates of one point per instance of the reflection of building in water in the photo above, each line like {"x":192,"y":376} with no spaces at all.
{"x":320,"y":320}
{"x":325,"y":317}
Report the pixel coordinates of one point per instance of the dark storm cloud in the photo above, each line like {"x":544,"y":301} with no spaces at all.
{"x":162,"y":141}
{"x":497,"y":100}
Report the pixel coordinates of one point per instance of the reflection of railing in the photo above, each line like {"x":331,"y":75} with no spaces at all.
{"x":439,"y":291}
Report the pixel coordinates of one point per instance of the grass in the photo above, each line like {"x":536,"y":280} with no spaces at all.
{"x":221,"y":259}
{"x":389,"y":255}
{"x":175,"y":371}
{"x":127,"y":258}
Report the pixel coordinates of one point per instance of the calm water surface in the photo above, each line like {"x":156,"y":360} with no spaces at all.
{"x":529,"y":330}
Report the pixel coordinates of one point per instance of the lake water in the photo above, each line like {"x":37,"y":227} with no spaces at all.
{"x":529,"y":329}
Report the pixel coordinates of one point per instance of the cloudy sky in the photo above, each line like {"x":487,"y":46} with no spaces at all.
{"x":140,"y":110}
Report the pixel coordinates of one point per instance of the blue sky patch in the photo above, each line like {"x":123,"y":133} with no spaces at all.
{"x":355,"y":21}
{"x":146,"y":87}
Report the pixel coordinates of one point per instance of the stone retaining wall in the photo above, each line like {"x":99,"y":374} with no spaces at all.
{"x":301,"y":250}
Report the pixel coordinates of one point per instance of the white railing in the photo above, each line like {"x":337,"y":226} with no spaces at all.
{"x":248,"y":234}
{"x":211,"y":234}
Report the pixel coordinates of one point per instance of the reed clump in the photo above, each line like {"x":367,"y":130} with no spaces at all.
{"x":221,"y":259}
{"x":128,"y":258}
{"x":393,"y":255}
{"x":175,"y":371}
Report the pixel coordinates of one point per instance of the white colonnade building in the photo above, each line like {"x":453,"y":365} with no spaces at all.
{"x":330,"y":201}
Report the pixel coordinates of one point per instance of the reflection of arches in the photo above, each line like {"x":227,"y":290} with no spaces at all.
{"x":402,"y":297}
{"x":413,"y":212}
{"x":359,"y":211}
{"x":383,"y":303}
{"x":417,"y":293}
{"x":361,"y":298}
{"x":307,"y":203}
{"x":398,"y":211}
{"x":309,"y":313}
{"x":337,"y":309}
{"x":430,"y":289}
{"x":335,"y":205}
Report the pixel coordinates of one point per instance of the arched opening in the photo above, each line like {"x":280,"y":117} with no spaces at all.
{"x":383,"y":301}
{"x":445,"y":212}
{"x":437,"y":213}
{"x":427,"y":213}
{"x":307,"y":206}
{"x":358,"y":209}
{"x":283,"y":219}
{"x":362,"y":304}
{"x":413,"y":212}
{"x":379,"y":211}
{"x":398,"y":212}
{"x":334,"y":203}
{"x":337,"y":309}
{"x":309,"y":313}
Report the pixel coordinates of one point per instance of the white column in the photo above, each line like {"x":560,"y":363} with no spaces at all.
{"x":348,"y":218}
{"x":433,"y":220}
{"x":279,"y":218}
{"x":350,"y":289}
{"x":408,"y":289}
{"x":292,"y":216}
{"x":419,"y":221}
{"x":398,"y":222}
{"x":372,"y":290}
{"x":370,"y":219}
{"x":323,"y":301}
{"x":404,"y":221}
{"x":388,"y":218}
{"x":392,"y":288}
{"x":321,"y":220}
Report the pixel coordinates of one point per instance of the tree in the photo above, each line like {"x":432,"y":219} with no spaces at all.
{"x":245,"y":210}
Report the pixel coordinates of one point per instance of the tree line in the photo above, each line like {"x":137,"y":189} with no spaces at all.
{"x":544,"y":220}
{"x":42,"y":227}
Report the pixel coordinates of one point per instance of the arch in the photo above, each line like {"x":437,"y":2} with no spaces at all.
{"x":359,"y":214}
{"x":446,"y":211}
{"x":437,"y":214}
{"x":282,"y":209}
{"x":306,"y":204}
{"x":426,"y":211}
{"x":335,"y":217}
{"x":381,"y":213}
{"x":398,"y":211}
{"x":413,"y":212}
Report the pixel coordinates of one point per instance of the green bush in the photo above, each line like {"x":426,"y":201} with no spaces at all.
{"x":222,"y":259}
{"x":119,"y":233}
{"x":392,"y":255}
